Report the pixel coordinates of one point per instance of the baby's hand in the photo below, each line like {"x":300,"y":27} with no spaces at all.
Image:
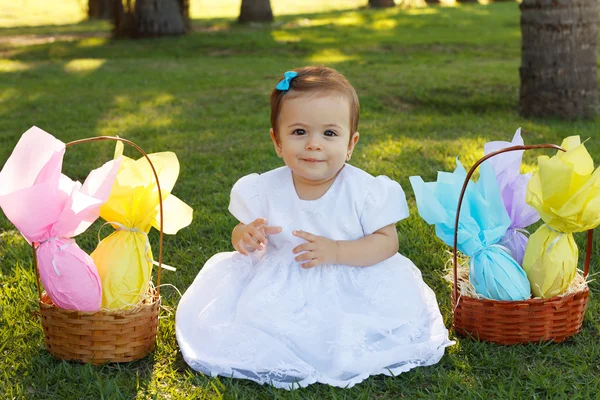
{"x":318,"y":249}
{"x":254,"y":236}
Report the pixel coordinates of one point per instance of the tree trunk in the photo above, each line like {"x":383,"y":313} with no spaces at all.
{"x":184,"y":6}
{"x":381,"y":3}
{"x":558,"y":58}
{"x":150,"y":18}
{"x":100,"y":9}
{"x":159,"y":18}
{"x":255,"y":11}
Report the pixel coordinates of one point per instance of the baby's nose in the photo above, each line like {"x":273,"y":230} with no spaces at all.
{"x":313,"y":144}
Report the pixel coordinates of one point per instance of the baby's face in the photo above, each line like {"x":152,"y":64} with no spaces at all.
{"x":314,"y":135}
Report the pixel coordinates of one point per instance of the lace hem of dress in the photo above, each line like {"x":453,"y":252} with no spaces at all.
{"x":285,"y":379}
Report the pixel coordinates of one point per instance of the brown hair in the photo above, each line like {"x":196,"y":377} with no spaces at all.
{"x":313,"y":79}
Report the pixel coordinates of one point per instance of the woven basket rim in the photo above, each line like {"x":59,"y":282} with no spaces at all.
{"x":536,"y":300}
{"x":46,"y":303}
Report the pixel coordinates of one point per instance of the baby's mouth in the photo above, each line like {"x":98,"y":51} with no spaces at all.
{"x":312,"y":160}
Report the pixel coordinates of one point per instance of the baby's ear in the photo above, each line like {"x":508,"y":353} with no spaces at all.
{"x":353,"y":141}
{"x":276,"y":143}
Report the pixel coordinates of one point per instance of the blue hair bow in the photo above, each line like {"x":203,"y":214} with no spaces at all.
{"x":284,"y":84}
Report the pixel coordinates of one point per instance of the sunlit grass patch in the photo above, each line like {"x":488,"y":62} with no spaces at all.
{"x":39,"y":12}
{"x":83,"y":65}
{"x":12,"y":66}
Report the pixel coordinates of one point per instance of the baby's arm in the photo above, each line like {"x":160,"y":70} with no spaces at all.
{"x":251,"y":237}
{"x":363,"y":252}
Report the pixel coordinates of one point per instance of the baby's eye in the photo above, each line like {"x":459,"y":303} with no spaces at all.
{"x":330,"y":133}
{"x":299,"y":132}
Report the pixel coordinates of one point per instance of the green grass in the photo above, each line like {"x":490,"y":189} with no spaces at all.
{"x":433,"y":83}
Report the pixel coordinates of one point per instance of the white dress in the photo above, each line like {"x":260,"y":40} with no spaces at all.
{"x":265,"y":318}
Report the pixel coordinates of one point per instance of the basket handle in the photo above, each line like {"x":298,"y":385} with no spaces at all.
{"x":160,"y":204}
{"x":462,"y":194}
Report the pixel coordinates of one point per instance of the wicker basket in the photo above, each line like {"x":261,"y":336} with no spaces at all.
{"x":103,"y":336}
{"x":511,"y":322}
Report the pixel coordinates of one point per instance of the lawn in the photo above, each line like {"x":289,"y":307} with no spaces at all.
{"x":433,"y":83}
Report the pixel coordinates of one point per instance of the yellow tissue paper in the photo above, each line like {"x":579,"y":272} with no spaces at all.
{"x":124,"y":258}
{"x":565,"y":191}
